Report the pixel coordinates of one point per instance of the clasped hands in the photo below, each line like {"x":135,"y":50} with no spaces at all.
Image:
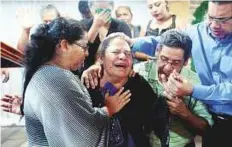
{"x":176,"y":87}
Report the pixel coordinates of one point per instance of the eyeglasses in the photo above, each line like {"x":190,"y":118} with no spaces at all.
{"x":173,"y":63}
{"x":221,"y":21}
{"x":85,"y":48}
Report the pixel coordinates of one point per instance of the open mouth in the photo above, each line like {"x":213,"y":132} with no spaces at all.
{"x":121,"y":65}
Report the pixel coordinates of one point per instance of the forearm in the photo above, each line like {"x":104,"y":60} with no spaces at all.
{"x":216,"y":94}
{"x":141,"y":56}
{"x":92,"y":33}
{"x":195,"y":123}
{"x":23,"y":40}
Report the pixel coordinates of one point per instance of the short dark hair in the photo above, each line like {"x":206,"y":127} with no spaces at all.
{"x":49,"y":7}
{"x":84,"y":9}
{"x":177,"y":39}
{"x":219,"y":2}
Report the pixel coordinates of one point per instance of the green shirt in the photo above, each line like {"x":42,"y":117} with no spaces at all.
{"x":180,"y":135}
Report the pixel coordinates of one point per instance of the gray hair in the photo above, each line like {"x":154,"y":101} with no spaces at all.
{"x":106,"y":42}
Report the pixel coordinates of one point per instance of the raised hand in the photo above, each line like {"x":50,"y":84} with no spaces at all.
{"x":25,"y":18}
{"x":101,"y":19}
{"x":11,"y":104}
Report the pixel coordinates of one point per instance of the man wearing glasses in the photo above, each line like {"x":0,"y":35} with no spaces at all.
{"x":188,"y":117}
{"x":212,"y":56}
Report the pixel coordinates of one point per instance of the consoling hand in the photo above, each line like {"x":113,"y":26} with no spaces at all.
{"x":90,"y":76}
{"x":116,"y":102}
{"x":11,"y":104}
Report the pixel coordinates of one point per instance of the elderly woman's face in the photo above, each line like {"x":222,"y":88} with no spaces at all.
{"x":117,"y":61}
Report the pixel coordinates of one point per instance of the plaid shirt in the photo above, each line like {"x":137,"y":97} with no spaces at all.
{"x":179,"y":134}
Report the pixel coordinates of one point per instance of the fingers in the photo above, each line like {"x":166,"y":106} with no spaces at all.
{"x":132,"y":73}
{"x":6,"y":107}
{"x":91,"y":81}
{"x":125,"y":95}
{"x":168,"y":95}
{"x":7,"y":98}
{"x":124,"y":98}
{"x":119,"y":91}
{"x":85,"y":80}
{"x":123,"y":103}
{"x":88,"y":80}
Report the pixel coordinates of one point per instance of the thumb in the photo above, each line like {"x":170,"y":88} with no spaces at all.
{"x":107,"y":94}
{"x":163,"y":78}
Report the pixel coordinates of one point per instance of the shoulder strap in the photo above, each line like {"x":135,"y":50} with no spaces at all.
{"x":173,"y":21}
{"x":148,"y":25}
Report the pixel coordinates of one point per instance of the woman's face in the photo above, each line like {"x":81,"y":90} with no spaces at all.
{"x":117,"y":61}
{"x":157,"y":8}
{"x":78,"y":52}
{"x":124,"y":14}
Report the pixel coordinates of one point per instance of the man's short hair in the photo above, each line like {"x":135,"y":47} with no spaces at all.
{"x":176,"y":39}
{"x":219,"y":2}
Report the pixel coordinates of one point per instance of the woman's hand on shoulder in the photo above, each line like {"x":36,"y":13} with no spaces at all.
{"x":90,"y":76}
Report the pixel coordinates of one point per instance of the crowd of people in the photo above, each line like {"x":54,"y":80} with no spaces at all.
{"x":102,"y":81}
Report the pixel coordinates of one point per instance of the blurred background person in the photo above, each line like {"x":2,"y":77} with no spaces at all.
{"x":100,"y":26}
{"x":162,"y":20}
{"x":123,"y":12}
{"x":83,"y":7}
{"x":47,"y":14}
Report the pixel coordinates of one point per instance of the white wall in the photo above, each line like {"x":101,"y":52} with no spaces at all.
{"x":10,"y":27}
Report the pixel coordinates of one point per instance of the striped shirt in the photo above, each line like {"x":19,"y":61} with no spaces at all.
{"x":179,"y":134}
{"x":58,"y":111}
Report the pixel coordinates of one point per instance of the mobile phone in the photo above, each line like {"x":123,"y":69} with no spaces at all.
{"x":109,"y":87}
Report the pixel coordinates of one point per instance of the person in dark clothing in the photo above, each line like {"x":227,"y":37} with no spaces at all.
{"x":144,"y":113}
{"x":100,"y":26}
{"x":84,"y":9}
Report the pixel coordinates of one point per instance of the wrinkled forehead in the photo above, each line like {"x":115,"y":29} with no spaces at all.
{"x":220,"y":10}
{"x":155,"y":1}
{"x":118,"y":44}
{"x":172,"y":53}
